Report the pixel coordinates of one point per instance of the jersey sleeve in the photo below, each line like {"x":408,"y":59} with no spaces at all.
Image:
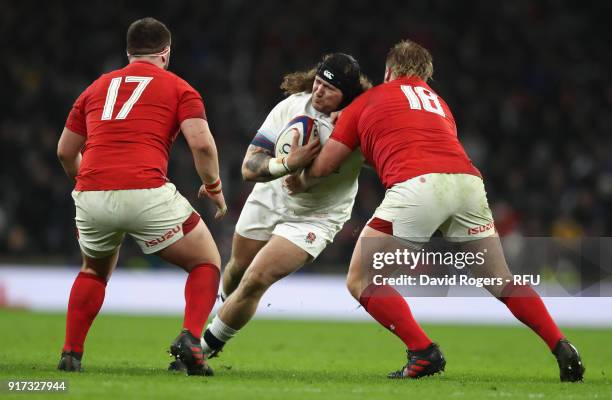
{"x":76,"y":121}
{"x":190,"y":103}
{"x":345,"y":130}
{"x":273,"y":125}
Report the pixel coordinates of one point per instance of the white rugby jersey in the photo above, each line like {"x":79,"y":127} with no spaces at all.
{"x":333,"y":194}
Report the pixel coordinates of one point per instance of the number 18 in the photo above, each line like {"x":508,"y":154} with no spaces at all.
{"x":420,"y":98}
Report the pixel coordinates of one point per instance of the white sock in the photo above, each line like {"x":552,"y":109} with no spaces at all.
{"x":220,"y":331}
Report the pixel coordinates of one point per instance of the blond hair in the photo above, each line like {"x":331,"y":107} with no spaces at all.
{"x":408,"y":58}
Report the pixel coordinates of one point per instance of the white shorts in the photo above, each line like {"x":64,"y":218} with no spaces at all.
{"x":310,"y":232}
{"x":153,"y":217}
{"x":455,"y":204}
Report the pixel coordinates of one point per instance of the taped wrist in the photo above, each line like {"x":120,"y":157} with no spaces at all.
{"x":278,"y":166}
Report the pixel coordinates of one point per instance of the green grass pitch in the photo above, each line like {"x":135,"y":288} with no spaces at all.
{"x":126,"y":359}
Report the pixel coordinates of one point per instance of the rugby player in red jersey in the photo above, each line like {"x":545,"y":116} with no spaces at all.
{"x":408,"y":134}
{"x":115,"y":145}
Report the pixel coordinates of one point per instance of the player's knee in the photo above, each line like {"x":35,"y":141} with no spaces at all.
{"x":209,"y":257}
{"x":216,"y":260}
{"x":354,"y":286}
{"x":255,"y":283}
{"x":201,"y":246}
{"x":235,"y":269}
{"x":211,"y":254}
{"x":498,"y":290}
{"x":241,"y":260}
{"x":96,"y":272}
{"x":193,"y":262}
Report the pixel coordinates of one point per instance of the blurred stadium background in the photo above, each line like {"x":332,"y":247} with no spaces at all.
{"x":528,"y":82}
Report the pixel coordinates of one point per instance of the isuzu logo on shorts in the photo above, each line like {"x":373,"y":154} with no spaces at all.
{"x":164,"y":237}
{"x":481,"y":228}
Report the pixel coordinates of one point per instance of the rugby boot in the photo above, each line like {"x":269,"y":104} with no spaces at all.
{"x":188,"y":355}
{"x":70,"y":361}
{"x":570,"y":364}
{"x":421,"y":363}
{"x":177,"y":366}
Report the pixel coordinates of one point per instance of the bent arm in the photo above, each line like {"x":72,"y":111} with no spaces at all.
{"x":69,"y":151}
{"x":203,"y":148}
{"x":330,"y":159}
{"x":255,"y":165}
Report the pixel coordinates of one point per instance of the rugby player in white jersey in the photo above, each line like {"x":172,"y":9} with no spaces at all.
{"x":276,"y":233}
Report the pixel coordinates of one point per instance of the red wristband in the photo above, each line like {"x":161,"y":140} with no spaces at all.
{"x":214,"y":187}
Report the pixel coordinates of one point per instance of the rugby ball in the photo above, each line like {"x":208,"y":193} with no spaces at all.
{"x":307,"y":129}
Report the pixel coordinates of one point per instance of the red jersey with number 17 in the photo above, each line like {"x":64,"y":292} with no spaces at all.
{"x":130,"y":118}
{"x":404,"y":130}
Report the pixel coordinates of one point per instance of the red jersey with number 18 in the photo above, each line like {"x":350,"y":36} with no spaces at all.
{"x":130,"y":118}
{"x":404,"y":130}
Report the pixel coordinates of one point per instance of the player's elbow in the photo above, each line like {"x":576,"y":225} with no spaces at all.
{"x":199,"y":140}
{"x":202,"y":147}
{"x":247,"y":174}
{"x":64,"y":155}
{"x":60,"y":155}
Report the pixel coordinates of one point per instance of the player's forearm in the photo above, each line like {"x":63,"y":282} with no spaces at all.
{"x":317,"y":171}
{"x":206,"y":163}
{"x":330,"y":159}
{"x":203,"y":147}
{"x":256,"y":168}
{"x":256,"y":165}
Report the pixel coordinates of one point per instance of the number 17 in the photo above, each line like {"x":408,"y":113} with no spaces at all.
{"x":111,"y":96}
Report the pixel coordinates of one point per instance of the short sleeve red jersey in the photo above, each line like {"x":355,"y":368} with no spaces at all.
{"x":130,"y":118}
{"x":404,"y":130}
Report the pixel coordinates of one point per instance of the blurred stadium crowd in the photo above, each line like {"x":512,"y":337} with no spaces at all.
{"x":528,"y":82}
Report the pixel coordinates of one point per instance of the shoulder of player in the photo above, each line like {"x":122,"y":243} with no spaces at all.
{"x":174,"y":76}
{"x":160,"y":72}
{"x":93,"y":86}
{"x":410,"y":80}
{"x":177,"y":79}
{"x":362,"y":100}
{"x":385,"y":89}
{"x":300,"y":98}
{"x":293,"y":104}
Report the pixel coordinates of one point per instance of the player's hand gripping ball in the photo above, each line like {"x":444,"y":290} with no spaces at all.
{"x":307,"y":128}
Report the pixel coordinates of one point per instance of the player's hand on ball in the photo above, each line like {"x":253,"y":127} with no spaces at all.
{"x":302,"y":156}
{"x":217,"y":198}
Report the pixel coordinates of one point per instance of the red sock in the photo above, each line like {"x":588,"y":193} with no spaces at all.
{"x":86,"y":298}
{"x":528,"y":307}
{"x":200,"y":296}
{"x":390,"y":309}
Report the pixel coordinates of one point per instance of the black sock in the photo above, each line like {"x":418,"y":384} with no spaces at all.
{"x":212,"y":341}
